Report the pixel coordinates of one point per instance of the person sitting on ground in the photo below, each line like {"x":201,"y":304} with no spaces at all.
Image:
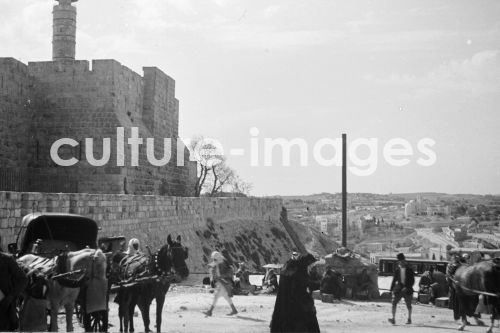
{"x":332,"y":283}
{"x":314,"y":279}
{"x":426,"y":284}
{"x":363,"y":286}
{"x":270,"y":283}
{"x":242,"y":281}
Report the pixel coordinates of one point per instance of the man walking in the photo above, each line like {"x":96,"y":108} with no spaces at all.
{"x":222,"y":274}
{"x":402,"y":287}
{"x":13,"y":281}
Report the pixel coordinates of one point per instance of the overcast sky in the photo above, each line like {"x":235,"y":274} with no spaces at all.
{"x":309,"y":69}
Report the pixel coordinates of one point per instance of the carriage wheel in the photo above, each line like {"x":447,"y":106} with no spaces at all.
{"x":96,"y":321}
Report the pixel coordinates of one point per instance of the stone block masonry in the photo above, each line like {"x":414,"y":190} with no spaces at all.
{"x":45,"y":101}
{"x":243,"y":229}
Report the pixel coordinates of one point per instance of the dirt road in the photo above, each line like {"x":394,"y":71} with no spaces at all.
{"x":182,"y":313}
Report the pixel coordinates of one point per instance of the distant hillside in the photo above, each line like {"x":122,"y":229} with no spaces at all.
{"x":432,"y":196}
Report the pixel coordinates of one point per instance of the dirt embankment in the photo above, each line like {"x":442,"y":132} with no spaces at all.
{"x":254,"y":242}
{"x":314,"y":240}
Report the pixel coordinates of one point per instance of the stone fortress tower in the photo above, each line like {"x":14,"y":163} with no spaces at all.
{"x":64,"y":31}
{"x":42,"y":102}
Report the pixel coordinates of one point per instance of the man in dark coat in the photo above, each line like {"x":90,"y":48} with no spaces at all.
{"x":13,"y":281}
{"x":294,"y":309}
{"x":450,"y":276}
{"x":402,"y":287}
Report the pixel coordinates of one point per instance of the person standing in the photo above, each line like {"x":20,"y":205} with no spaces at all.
{"x":13,"y":282}
{"x":450,"y":277}
{"x":294,"y":309}
{"x":402,"y":287}
{"x":222,"y":275}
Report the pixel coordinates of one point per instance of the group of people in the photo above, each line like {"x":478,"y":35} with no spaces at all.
{"x":404,"y":279}
{"x":294,"y":309}
{"x":438,"y":284}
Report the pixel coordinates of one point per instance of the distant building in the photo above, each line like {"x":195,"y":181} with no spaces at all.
{"x":438,"y":210}
{"x":419,"y":207}
{"x":437,"y":253}
{"x":456,"y":234}
{"x":473,"y":244}
{"x":328,"y":224}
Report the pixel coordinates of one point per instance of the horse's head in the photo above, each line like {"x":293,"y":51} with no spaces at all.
{"x":172,"y":255}
{"x":162,"y":261}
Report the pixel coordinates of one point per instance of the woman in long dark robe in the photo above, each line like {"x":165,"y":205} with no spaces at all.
{"x":294,"y":309}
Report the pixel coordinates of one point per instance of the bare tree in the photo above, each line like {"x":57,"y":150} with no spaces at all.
{"x":214,"y":175}
{"x":240,"y":186}
{"x":222,"y":175}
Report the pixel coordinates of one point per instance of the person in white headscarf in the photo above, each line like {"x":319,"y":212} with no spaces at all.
{"x":133,"y":247}
{"x":222,"y":273}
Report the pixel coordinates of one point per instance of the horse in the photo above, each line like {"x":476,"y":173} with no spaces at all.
{"x":64,"y":292}
{"x":170,"y":256}
{"x":482,"y":278}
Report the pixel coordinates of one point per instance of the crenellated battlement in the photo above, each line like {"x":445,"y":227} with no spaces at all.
{"x":46,"y":101}
{"x":70,"y":98}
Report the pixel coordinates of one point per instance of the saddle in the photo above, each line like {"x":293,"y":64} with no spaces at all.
{"x":37,"y":273}
{"x":43,"y":266}
{"x":133,"y":267}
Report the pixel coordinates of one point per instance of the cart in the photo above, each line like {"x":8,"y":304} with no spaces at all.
{"x":48,"y":235}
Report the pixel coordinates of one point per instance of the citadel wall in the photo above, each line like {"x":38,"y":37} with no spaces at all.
{"x":244,"y":229}
{"x":70,"y":100}
{"x":15,"y":113}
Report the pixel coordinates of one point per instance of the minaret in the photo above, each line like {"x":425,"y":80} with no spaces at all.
{"x":64,"y":31}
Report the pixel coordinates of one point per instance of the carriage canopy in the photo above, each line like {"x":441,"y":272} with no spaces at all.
{"x":74,"y":230}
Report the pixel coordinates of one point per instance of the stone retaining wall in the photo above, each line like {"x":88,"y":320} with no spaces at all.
{"x":244,"y":229}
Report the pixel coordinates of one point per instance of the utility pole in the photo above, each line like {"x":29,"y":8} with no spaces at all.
{"x":344,"y":190}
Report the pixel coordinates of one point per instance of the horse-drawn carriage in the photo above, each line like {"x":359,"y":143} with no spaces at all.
{"x":61,"y":249}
